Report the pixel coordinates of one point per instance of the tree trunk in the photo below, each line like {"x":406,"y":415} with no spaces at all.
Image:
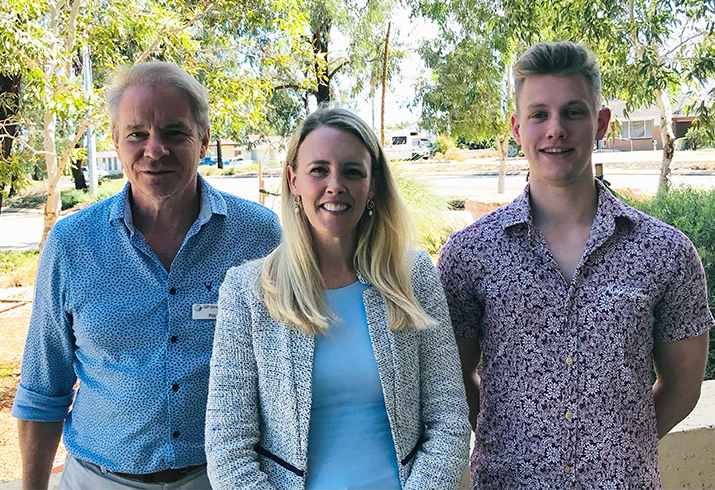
{"x":8,"y":85}
{"x":320,"y":48}
{"x":53,"y":206}
{"x":502,"y":143}
{"x":667,"y":137}
{"x":79,"y":181}
{"x":219,"y":160}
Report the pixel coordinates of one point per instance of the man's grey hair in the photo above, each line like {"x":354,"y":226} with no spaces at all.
{"x":156,"y":74}
{"x":558,"y":58}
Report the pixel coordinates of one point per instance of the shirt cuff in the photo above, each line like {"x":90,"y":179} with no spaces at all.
{"x":33,"y":406}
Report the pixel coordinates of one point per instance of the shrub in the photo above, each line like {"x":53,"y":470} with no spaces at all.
{"x":71,"y":198}
{"x":427,"y":209}
{"x":692,"y":211}
{"x":443,"y":143}
{"x":18,"y":269}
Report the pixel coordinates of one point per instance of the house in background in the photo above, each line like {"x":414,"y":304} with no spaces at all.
{"x":107,"y":160}
{"x":268,"y":149}
{"x":641,"y":129}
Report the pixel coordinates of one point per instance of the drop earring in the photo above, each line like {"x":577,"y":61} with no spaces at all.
{"x":369,"y":205}
{"x":296,"y":204}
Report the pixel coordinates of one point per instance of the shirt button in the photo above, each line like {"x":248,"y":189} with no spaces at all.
{"x":173,"y":338}
{"x":569,"y":415}
{"x":569,"y":303}
{"x":176,"y":434}
{"x":172,"y":291}
{"x":567,"y":469}
{"x":569,"y":361}
{"x":175,"y":387}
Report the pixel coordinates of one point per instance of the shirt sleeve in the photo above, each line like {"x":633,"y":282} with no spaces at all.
{"x":458,"y":276}
{"x":47,"y":375}
{"x":683,"y":310}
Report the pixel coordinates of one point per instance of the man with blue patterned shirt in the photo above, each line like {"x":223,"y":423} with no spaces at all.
{"x":126,"y":298}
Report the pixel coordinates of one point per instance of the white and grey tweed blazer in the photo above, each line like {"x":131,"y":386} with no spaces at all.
{"x":259,"y":402}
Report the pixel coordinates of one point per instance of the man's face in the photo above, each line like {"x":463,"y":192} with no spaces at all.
{"x":556,"y":126}
{"x":158,"y":142}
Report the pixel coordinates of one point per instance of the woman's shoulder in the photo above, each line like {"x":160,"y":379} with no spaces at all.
{"x":243,"y":276}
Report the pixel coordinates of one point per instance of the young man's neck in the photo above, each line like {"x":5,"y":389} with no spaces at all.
{"x":566,"y":205}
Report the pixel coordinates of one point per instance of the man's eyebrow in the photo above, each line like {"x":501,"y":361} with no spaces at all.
{"x":538,"y":105}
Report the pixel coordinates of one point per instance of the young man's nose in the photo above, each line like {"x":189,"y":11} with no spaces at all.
{"x":556,"y":128}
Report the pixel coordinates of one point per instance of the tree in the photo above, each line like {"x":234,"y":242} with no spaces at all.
{"x":225,"y":44}
{"x":648,"y":50}
{"x":469,"y":93}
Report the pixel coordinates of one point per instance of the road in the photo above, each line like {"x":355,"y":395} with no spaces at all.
{"x":23,"y":230}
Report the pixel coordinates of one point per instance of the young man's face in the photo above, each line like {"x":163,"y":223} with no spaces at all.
{"x":556,"y":125}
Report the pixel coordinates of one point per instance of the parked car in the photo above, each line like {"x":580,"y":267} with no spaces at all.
{"x":100,"y":172}
{"x":208,"y":160}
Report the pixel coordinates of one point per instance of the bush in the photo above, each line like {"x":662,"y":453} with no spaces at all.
{"x":72,"y":197}
{"x":18,"y":269}
{"x":442,"y":144}
{"x":692,"y":211}
{"x":427,"y":209}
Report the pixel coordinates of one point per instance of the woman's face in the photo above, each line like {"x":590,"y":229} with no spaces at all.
{"x":333,"y":178}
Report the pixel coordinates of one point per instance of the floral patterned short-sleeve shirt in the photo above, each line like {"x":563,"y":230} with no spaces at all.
{"x":566,"y":397}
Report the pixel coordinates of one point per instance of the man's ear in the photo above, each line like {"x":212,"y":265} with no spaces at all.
{"x":515,"y":128}
{"x":604,"y":116}
{"x":205,"y":142}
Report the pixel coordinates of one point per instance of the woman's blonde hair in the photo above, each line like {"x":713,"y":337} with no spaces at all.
{"x":291,"y":284}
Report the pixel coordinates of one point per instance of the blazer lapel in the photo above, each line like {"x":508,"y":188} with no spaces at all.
{"x":383,"y":347}
{"x":302,"y":347}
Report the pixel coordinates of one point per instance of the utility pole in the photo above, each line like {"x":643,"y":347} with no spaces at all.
{"x":89,"y":138}
{"x":384,"y":85}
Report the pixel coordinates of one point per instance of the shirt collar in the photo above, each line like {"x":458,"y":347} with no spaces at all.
{"x":211,"y":202}
{"x":610,"y":208}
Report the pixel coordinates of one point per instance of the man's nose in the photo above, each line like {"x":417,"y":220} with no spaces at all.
{"x":556,"y":128}
{"x":155,"y":147}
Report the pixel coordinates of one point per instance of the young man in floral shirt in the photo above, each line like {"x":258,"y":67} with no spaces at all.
{"x":569,"y":297}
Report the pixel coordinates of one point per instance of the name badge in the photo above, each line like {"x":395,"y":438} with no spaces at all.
{"x":205,"y":311}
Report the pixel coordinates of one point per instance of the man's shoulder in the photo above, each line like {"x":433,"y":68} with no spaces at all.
{"x":87,"y":222}
{"x":489,"y":227}
{"x":646,"y":227}
{"x":243,"y":211}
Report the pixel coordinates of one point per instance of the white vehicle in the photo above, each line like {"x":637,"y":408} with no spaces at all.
{"x":407,"y":144}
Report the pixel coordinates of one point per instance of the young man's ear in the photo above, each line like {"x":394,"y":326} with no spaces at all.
{"x":515,"y":128}
{"x":604,"y":117}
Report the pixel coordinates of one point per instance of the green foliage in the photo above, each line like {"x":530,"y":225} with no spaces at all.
{"x":18,"y":268}
{"x":426,"y":207}
{"x":443,"y":143}
{"x":692,"y":211}
{"x":698,"y":137}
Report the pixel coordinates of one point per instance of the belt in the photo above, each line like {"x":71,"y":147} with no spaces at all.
{"x":169,"y":475}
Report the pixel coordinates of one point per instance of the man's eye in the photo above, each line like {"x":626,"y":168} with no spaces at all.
{"x":136,"y":134}
{"x":538,"y":115}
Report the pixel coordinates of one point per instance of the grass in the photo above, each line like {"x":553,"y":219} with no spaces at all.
{"x":18,"y":268}
{"x":212,"y":170}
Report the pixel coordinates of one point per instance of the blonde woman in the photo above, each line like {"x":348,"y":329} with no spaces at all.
{"x":334,"y":362}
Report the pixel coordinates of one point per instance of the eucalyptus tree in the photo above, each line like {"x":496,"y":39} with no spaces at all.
{"x":649,"y":50}
{"x":469,"y":91}
{"x":226,"y":44}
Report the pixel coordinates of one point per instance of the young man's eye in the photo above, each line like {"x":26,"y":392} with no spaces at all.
{"x":537,"y":115}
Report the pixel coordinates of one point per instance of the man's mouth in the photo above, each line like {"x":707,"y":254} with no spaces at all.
{"x":556,"y":151}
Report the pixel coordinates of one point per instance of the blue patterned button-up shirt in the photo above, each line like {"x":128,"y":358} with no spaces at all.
{"x":108,"y":313}
{"x":566,"y":398}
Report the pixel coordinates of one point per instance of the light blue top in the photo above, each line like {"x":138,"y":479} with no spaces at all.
{"x":108,"y":313}
{"x":350,"y":443}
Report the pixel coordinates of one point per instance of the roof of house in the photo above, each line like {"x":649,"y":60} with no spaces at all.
{"x":618,"y":106}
